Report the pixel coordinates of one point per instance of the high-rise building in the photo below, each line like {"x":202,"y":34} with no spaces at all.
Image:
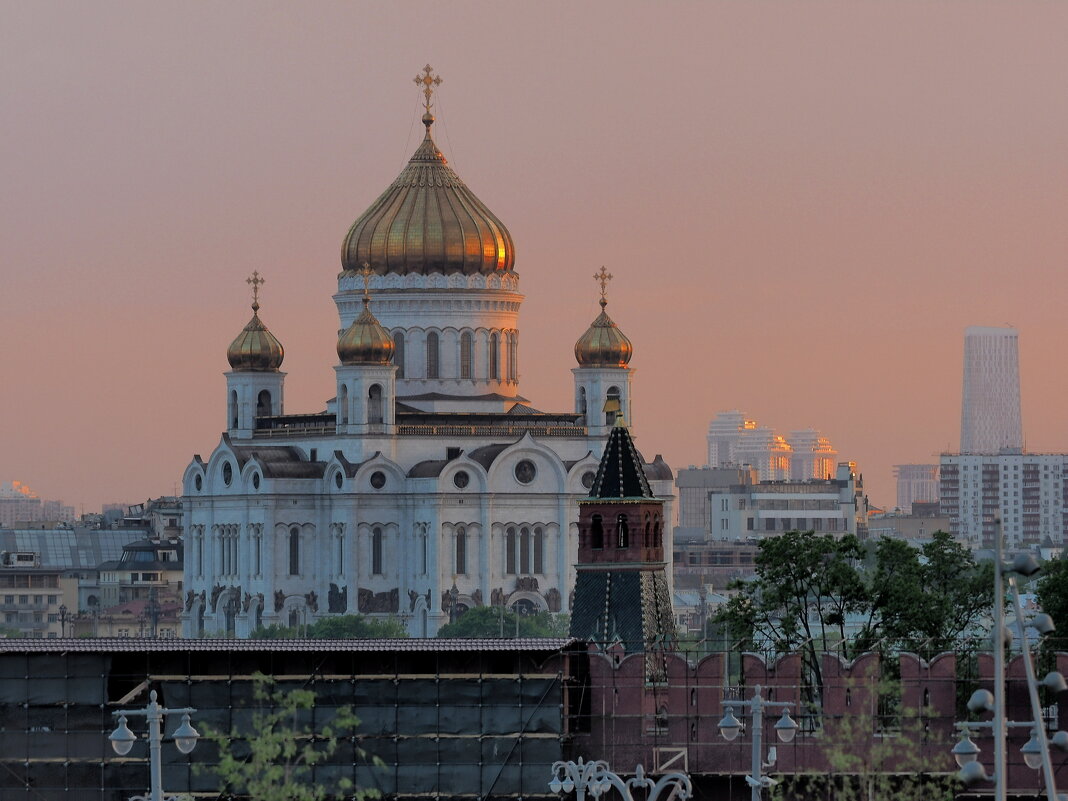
{"x":990,"y":405}
{"x":734,"y":441}
{"x":1026,"y":489}
{"x":915,"y":482}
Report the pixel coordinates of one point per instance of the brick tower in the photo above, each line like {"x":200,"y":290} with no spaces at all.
{"x":621,"y":588}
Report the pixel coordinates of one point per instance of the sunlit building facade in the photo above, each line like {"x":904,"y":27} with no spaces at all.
{"x":735,"y":441}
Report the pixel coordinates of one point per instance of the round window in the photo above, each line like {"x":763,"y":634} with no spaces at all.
{"x":525,"y":471}
{"x":338,"y":480}
{"x":378,"y":479}
{"x":228,"y":473}
{"x":461,"y":479}
{"x":587,"y":479}
{"x":198,"y":482}
{"x":255,"y":481}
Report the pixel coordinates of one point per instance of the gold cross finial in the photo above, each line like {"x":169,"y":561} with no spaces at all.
{"x":366,"y":272}
{"x":603,"y":277}
{"x":427,"y":82}
{"x":255,"y":282}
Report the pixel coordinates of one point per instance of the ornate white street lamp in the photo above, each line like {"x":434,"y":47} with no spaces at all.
{"x":596,"y":779}
{"x":785,"y":729}
{"x":185,"y":740}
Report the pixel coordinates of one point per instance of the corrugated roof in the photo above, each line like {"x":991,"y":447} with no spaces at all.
{"x":174,"y":644}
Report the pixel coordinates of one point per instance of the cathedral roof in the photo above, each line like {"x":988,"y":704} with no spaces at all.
{"x":428,"y":221}
{"x":366,"y":341}
{"x":621,"y":473}
{"x":255,"y":349}
{"x":603,"y":344}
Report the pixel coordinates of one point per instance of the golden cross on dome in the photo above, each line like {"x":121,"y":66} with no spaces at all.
{"x":603,"y":277}
{"x":256,"y":282}
{"x":366,"y":272}
{"x":427,"y":82}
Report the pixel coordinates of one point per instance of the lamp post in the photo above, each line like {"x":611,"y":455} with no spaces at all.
{"x":185,"y":739}
{"x":63,"y":620}
{"x":596,"y":779}
{"x":785,"y":729}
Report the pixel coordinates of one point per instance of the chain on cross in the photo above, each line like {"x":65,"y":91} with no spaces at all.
{"x":603,"y":277}
{"x":255,"y":281}
{"x":427,"y":82}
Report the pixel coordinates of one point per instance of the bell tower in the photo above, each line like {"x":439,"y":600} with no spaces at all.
{"x":254,"y":383}
{"x":621,"y":590}
{"x":603,"y":379}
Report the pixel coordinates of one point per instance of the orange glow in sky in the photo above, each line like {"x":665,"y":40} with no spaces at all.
{"x":804,"y":205}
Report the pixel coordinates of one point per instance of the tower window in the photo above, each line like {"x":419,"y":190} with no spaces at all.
{"x":398,"y":353}
{"x":233,"y":409}
{"x":263,"y":404}
{"x":582,"y":401}
{"x":343,"y":405}
{"x":467,"y":350}
{"x":294,"y":551}
{"x":433,"y":356}
{"x":494,"y":356}
{"x":622,"y":532}
{"x":461,"y":551}
{"x":613,"y":407}
{"x":596,"y":533}
{"x":513,"y":356}
{"x":374,"y":404}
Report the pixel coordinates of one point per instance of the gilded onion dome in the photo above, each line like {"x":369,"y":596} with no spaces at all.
{"x":603,"y":344}
{"x":365,"y":341}
{"x":428,"y":221}
{"x":255,"y":349}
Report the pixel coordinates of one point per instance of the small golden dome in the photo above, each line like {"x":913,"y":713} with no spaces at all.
{"x":428,"y":221}
{"x":256,"y":349}
{"x":603,"y":344}
{"x":365,"y":341}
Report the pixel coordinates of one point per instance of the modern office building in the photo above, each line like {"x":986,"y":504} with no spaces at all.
{"x":1026,"y":489}
{"x":990,"y":407}
{"x":915,"y":482}
{"x":735,"y":441}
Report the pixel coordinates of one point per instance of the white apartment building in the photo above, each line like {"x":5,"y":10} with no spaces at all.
{"x":731,"y":504}
{"x":915,"y":482}
{"x":1026,"y":489}
{"x":990,"y":420}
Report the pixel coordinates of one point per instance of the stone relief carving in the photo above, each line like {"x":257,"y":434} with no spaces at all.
{"x":552,"y":599}
{"x":279,"y":600}
{"x":337,"y":599}
{"x":413,"y":599}
{"x":216,"y":591}
{"x":476,"y":596}
{"x":311,"y":599}
{"x":369,"y":601}
{"x":497,"y":596}
{"x":189,"y":598}
{"x":526,"y":584}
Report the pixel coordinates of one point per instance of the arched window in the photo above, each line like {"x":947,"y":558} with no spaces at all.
{"x":294,"y":551}
{"x":343,"y":405}
{"x":263,"y":404}
{"x":582,"y":400}
{"x":513,"y":356}
{"x":398,"y":353}
{"x":339,"y":552}
{"x":374,"y":404}
{"x":524,"y":550}
{"x":509,"y":552}
{"x":647,"y":542}
{"x":433,"y":356}
{"x":376,"y":551}
{"x":461,"y":551}
{"x":233,"y":409}
{"x":613,"y":403}
{"x":494,"y":356}
{"x":539,"y":550}
{"x":622,"y":532}
{"x":467,"y":353}
{"x":657,"y":542}
{"x":294,"y":618}
{"x":596,"y":533}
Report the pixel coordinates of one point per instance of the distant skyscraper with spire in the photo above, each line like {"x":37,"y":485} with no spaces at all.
{"x":990,"y":407}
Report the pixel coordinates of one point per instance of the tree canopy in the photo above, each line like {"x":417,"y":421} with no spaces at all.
{"x":341,"y":627}
{"x":815,"y":592}
{"x":1052,"y":589}
{"x":495,"y":621}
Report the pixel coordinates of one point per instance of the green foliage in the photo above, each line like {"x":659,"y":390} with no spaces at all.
{"x":282,"y":751}
{"x":815,"y":592}
{"x":7,"y":632}
{"x":495,"y":621}
{"x":1052,"y":592}
{"x":891,"y":765}
{"x":341,"y":627}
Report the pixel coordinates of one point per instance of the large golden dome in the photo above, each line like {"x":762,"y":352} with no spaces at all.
{"x":366,"y":341}
{"x":255,"y":349}
{"x":603,"y":344}
{"x":428,"y":221}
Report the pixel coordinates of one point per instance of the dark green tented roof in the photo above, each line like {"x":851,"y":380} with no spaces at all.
{"x":620,"y":474}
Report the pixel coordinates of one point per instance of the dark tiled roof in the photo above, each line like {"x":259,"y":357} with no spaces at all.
{"x":620,"y":474}
{"x":105,"y":644}
{"x":491,"y":396}
{"x":659,"y":470}
{"x":350,"y":468}
{"x":431,"y":468}
{"x":487,"y":454}
{"x":630,"y":607}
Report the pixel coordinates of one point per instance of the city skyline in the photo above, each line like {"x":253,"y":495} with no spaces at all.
{"x":897,"y":172}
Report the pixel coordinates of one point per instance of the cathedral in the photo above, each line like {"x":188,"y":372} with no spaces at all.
{"x":428,"y":485}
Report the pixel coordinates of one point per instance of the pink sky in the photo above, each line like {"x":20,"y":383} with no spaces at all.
{"x":804,"y":205}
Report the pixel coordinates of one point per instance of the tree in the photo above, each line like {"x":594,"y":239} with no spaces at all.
{"x":1052,"y":592}
{"x":495,"y":621}
{"x":340,"y":627}
{"x":282,"y":751}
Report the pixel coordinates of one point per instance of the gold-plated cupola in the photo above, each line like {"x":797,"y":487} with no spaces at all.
{"x":255,"y":349}
{"x":603,"y":344}
{"x":366,"y":341}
